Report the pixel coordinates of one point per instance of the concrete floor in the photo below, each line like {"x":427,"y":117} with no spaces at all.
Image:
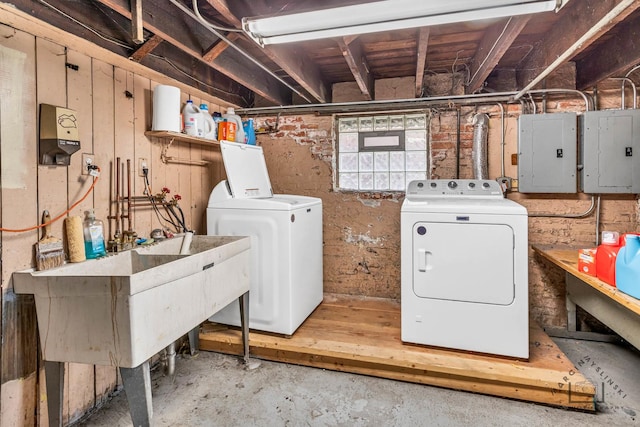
{"x":212,"y":389}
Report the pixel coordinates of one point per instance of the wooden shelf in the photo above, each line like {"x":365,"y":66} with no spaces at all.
{"x":567,"y":259}
{"x":177,"y":136}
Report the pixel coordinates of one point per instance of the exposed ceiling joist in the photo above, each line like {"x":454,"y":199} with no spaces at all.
{"x":292,"y":60}
{"x":233,"y":66}
{"x":421,"y":62}
{"x":570,"y":28}
{"x":357,"y":61}
{"x":137,"y":27}
{"x":498,"y":38}
{"x":146,"y":48}
{"x":613,"y":58}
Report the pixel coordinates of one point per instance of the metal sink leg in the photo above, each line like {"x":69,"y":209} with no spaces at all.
{"x":54,"y":372}
{"x":244,"y":323}
{"x":137,"y":385}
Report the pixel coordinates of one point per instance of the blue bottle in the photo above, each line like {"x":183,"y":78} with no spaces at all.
{"x":250,"y":134}
{"x":93,"y":236}
{"x":628,"y":266}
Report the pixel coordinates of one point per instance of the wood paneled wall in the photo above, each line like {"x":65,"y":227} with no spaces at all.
{"x":113,"y":106}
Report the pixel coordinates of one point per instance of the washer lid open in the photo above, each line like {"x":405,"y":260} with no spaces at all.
{"x":246,"y":170}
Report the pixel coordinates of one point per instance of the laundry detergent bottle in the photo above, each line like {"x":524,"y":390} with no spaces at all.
{"x":209,"y":129}
{"x":628,"y":266}
{"x":231,"y":116}
{"x":93,"y":230}
{"x":192,"y":119}
{"x":606,"y":257}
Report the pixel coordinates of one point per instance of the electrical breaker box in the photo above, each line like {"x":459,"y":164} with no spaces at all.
{"x":610,"y":151}
{"x":547,"y":153}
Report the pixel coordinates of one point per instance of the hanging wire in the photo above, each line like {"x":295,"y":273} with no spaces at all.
{"x":35,"y":227}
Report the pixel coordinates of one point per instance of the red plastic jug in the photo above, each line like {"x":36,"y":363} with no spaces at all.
{"x":606,"y":257}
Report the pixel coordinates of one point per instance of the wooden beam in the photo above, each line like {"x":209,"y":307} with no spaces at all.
{"x":229,"y":63}
{"x":137,"y":28}
{"x":421,"y":62}
{"x":612,"y":58}
{"x":16,"y":18}
{"x":493,"y":46}
{"x":354,"y":55}
{"x":291,"y":59}
{"x":218,"y":48}
{"x":577,"y":20}
{"x":146,"y":48}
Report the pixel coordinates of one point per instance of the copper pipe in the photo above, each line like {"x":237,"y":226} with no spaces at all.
{"x":129,"y":213}
{"x":117,"y":233}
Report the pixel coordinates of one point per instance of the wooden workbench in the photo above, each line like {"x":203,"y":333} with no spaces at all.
{"x":614,"y":308}
{"x":362,"y":335}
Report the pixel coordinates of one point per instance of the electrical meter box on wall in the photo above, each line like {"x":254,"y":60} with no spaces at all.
{"x":547,"y":153}
{"x":59,"y":137}
{"x":610,"y":151}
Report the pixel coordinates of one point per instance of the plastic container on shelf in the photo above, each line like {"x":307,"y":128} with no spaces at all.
{"x":606,"y":257}
{"x":587,"y":261}
{"x":628,"y":266}
{"x":232,"y":117}
{"x":93,"y":230}
{"x":209,"y":130}
{"x":192,"y":117}
{"x":250,"y":134}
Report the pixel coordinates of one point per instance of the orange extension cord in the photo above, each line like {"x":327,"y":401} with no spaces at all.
{"x":21,"y":230}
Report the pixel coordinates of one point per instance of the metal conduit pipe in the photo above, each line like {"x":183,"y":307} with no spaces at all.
{"x":357,"y":107}
{"x":587,"y":98}
{"x":598,"y":222}
{"x":633,"y":87}
{"x":218,"y":34}
{"x":573,"y":216}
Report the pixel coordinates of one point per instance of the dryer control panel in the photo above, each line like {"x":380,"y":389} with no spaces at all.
{"x":428,"y":188}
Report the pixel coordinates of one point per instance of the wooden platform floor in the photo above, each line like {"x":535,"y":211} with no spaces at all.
{"x":362,"y":336}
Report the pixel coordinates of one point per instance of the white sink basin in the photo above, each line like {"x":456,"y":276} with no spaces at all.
{"x":122,"y":309}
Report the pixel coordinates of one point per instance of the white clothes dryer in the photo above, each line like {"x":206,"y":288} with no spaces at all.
{"x":464,"y":272}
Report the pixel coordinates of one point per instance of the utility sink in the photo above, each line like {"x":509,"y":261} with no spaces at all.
{"x":122,"y":309}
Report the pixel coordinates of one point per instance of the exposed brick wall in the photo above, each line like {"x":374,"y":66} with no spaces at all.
{"x":362,"y":230}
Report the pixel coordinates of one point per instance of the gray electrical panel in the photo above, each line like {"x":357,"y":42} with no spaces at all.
{"x":610,"y":151}
{"x":547,"y":153}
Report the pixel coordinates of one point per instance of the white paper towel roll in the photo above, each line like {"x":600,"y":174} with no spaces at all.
{"x":166,"y":108}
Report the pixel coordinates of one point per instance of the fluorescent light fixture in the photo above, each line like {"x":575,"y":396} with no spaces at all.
{"x":384,"y":16}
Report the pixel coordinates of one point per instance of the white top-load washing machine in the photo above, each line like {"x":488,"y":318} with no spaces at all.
{"x":286,"y":242}
{"x":464,"y":273}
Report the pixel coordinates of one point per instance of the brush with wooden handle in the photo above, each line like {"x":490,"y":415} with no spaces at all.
{"x":49,"y":249}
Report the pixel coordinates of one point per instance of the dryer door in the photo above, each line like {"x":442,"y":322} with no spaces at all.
{"x":464,"y":262}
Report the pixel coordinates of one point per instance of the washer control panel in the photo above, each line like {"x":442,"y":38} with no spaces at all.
{"x":454,"y":188}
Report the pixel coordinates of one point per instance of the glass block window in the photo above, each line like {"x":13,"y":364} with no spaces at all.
{"x":381,"y":152}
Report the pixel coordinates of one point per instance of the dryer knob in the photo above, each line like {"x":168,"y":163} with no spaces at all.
{"x":452,"y":184}
{"x":434,"y":185}
{"x":485,"y":185}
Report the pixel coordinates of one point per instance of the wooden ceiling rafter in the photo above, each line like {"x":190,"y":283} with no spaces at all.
{"x":137,"y":26}
{"x":614,"y":57}
{"x":496,"y":41}
{"x":353,"y":53}
{"x":146,"y":48}
{"x":575,"y":22}
{"x":233,"y":66}
{"x":291,"y":60}
{"x":421,"y":59}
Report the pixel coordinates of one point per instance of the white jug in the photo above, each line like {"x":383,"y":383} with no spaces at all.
{"x":209,"y":127}
{"x":192,"y":119}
